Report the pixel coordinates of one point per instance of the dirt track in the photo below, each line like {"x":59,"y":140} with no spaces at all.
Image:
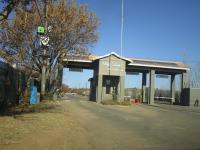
{"x":74,"y":125}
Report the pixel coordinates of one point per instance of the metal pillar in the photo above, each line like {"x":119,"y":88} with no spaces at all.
{"x":43,"y":78}
{"x":151,"y":88}
{"x":144,"y":83}
{"x":99,"y":88}
{"x":172,"y":88}
{"x":44,"y":65}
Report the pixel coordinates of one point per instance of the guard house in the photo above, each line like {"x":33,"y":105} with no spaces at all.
{"x":108,"y":79}
{"x":109,"y":75}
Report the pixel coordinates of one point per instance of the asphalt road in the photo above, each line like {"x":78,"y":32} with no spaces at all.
{"x":139,"y":126}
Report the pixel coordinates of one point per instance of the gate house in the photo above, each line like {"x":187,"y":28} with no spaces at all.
{"x":110,"y":70}
{"x":108,"y":79}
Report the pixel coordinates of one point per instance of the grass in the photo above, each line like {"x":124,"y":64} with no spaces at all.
{"x":114,"y":102}
{"x":19,"y":121}
{"x":26,"y":108}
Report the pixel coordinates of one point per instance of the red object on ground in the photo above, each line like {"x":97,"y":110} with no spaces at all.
{"x":135,"y":101}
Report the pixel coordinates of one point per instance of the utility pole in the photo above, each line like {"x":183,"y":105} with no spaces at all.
{"x":44,"y":65}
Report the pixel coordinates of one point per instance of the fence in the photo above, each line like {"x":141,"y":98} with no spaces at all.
{"x":12,"y":83}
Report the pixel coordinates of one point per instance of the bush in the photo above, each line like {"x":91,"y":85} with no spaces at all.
{"x":48,"y":96}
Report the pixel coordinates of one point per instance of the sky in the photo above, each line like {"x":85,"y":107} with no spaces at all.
{"x":155,"y":29}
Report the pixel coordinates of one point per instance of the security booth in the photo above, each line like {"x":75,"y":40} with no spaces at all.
{"x":108,"y":79}
{"x":107,"y":82}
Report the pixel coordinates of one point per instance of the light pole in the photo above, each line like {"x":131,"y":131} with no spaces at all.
{"x":43,"y":76}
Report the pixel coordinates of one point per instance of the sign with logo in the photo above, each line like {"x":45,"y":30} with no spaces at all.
{"x":44,"y":40}
{"x":40,"y":30}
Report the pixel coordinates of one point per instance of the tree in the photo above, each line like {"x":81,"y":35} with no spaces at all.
{"x":73,"y":31}
{"x":195,"y":76}
{"x":10,"y":5}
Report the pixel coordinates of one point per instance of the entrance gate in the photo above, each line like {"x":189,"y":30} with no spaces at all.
{"x":109,"y":75}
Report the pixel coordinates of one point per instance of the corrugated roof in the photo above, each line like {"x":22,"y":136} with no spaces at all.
{"x":159,"y":64}
{"x":151,"y":63}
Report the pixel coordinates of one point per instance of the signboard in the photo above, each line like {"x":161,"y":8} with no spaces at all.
{"x":40,"y":30}
{"x":132,"y":73}
{"x":76,"y":69}
{"x":44,"y":40}
{"x":162,"y":76}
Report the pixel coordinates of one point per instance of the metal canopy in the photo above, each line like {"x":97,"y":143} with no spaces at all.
{"x":133,"y":64}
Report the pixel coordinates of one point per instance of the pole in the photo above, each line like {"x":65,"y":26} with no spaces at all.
{"x":121,"y":71}
{"x":122,"y":27}
{"x":43,"y":78}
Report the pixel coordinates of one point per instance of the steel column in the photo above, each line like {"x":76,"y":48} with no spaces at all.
{"x":172,"y":88}
{"x":144,"y":83}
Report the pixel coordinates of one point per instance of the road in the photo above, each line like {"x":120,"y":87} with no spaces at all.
{"x":98,"y":127}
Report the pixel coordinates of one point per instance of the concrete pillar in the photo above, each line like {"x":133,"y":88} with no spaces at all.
{"x":172,"y":88}
{"x":99,"y":88}
{"x":184,"y":80}
{"x":151,"y":87}
{"x":121,"y":90}
{"x":184,"y":84}
{"x":144,"y":83}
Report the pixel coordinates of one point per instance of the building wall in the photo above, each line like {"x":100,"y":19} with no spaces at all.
{"x":110,"y":68}
{"x":194,"y":95}
{"x":12,"y":82}
{"x":112,"y":65}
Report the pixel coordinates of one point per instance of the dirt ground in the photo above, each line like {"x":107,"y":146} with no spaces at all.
{"x":51,"y":129}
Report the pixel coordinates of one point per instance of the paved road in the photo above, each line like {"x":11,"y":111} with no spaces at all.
{"x":140,"y":127}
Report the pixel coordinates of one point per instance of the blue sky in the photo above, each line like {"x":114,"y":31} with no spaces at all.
{"x":158,"y":29}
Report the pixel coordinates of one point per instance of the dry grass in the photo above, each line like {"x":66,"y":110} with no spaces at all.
{"x":112,"y":102}
{"x":25,"y":108}
{"x":19,"y":121}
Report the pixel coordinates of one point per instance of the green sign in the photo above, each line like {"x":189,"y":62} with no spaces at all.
{"x":41,"y":29}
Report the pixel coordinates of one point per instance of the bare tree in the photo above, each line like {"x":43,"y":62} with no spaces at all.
{"x":73,"y":31}
{"x":10,"y":5}
{"x":195,"y":76}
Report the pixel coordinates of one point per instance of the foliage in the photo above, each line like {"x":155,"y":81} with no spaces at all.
{"x":65,"y":88}
{"x":73,"y":31}
{"x":25,"y":108}
{"x":195,"y":76}
{"x":48,"y":96}
{"x":10,"y":5}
